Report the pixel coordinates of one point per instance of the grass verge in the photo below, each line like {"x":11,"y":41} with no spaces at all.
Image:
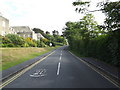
{"x":14,"y":56}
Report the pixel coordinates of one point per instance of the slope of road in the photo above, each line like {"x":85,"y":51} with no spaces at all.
{"x":60,"y":70}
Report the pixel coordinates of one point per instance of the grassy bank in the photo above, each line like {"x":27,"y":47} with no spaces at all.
{"x":14,"y":56}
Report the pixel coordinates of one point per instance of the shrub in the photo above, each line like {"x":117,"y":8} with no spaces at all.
{"x":30,"y":42}
{"x":16,"y":40}
{"x":10,"y":45}
{"x":42,"y":44}
{"x":6,"y":40}
{"x":45,"y":41}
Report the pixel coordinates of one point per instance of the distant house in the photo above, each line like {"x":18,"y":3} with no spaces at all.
{"x":4,"y":26}
{"x":26,"y":31}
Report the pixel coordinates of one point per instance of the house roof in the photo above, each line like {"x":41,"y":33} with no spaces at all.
{"x":3,"y":18}
{"x":22,"y":28}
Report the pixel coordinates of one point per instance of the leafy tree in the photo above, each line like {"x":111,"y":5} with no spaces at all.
{"x":37,"y":30}
{"x":89,"y":39}
{"x":55,"y":32}
{"x":111,"y":10}
{"x":48,"y":33}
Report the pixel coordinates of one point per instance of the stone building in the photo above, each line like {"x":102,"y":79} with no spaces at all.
{"x":23,"y":31}
{"x":4,"y":26}
{"x":26,"y":31}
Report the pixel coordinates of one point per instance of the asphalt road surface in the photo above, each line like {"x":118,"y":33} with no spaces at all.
{"x":60,"y":70}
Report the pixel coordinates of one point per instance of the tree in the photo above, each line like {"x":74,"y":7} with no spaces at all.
{"x":47,"y":32}
{"x":37,"y":30}
{"x":55,"y":32}
{"x":111,"y":10}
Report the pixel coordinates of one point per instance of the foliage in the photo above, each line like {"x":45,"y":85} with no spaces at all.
{"x":37,"y":30}
{"x":12,"y":40}
{"x":111,"y":10}
{"x":86,"y":38}
{"x":15,"y":39}
{"x":44,"y":40}
{"x":6,"y":42}
{"x":30,"y":42}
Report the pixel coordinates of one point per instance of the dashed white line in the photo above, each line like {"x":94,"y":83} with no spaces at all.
{"x":60,"y":57}
{"x":58,"y":70}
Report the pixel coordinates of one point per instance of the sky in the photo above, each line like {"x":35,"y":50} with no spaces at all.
{"x":48,"y":15}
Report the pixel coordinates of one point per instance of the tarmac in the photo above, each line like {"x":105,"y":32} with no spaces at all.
{"x":113,"y":72}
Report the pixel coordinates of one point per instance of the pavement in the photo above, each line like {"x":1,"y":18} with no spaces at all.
{"x":61,"y":70}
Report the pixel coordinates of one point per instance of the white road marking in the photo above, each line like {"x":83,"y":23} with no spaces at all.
{"x":22,"y":72}
{"x":58,"y":70}
{"x":60,"y":58}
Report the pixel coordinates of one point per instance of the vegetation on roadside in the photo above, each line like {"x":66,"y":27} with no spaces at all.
{"x":12,"y":40}
{"x":14,"y":56}
{"x":89,"y":39}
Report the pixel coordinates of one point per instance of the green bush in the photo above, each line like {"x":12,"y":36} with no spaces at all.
{"x":42,"y":44}
{"x":6,"y":40}
{"x":10,"y":45}
{"x":16,"y":40}
{"x":104,"y":47}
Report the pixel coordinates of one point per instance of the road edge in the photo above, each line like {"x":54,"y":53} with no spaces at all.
{"x":100,"y":71}
{"x":26,"y":66}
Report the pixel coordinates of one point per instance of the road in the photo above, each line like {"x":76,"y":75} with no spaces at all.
{"x":60,"y":70}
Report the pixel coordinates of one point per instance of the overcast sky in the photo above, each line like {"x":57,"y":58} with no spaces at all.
{"x":47,"y":15}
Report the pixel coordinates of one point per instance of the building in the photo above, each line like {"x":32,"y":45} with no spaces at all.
{"x":23,"y":31}
{"x":4,"y":26}
{"x":26,"y":31}
{"x":12,"y":31}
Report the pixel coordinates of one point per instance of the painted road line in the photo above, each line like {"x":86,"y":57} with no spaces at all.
{"x":58,"y":69}
{"x":95,"y":70}
{"x":60,"y":58}
{"x":22,"y":72}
